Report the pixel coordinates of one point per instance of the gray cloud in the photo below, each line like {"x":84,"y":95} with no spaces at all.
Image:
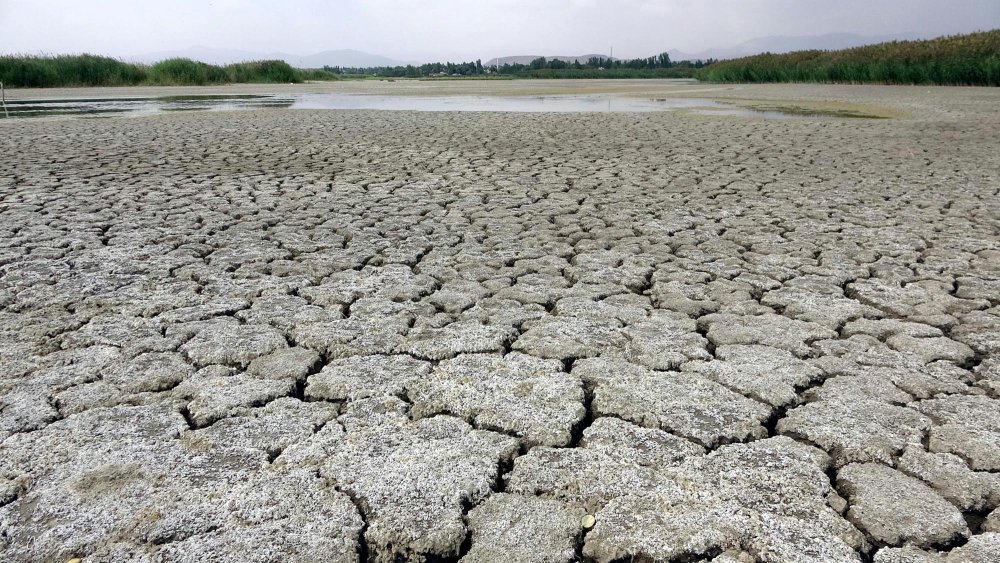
{"x":456,"y":29}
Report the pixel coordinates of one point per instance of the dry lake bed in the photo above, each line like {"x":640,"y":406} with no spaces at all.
{"x":747,"y":329}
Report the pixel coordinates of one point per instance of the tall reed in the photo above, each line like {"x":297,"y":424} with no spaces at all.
{"x":90,"y":70}
{"x":972,"y":59}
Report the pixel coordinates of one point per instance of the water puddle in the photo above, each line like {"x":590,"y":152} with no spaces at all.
{"x":106,"y":106}
{"x":505,"y":104}
{"x":786,"y":112}
{"x":97,"y":107}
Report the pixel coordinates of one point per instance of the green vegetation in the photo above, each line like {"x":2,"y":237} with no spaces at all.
{"x":674,"y":72}
{"x":972,"y":59}
{"x":90,"y":70}
{"x":313,"y":74}
{"x":264,"y":71}
{"x":185,"y":71}
{"x":659,"y":66}
{"x":475,"y":77}
{"x":80,"y":70}
{"x":412,"y":71}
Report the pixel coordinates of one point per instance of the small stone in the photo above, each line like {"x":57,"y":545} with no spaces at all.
{"x":992,"y":522}
{"x":588,"y":521}
{"x":836,"y":502}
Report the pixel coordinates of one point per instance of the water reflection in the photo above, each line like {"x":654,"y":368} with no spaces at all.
{"x":507,"y":104}
{"x":99,"y":106}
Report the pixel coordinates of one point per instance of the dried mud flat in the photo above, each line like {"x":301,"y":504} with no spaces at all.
{"x":343,"y":336}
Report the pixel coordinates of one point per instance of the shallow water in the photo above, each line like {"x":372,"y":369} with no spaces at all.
{"x":105,"y":106}
{"x":508,"y":104}
{"x":512,"y":104}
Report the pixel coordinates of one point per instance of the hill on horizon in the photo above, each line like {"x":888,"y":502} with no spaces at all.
{"x":361,"y":59}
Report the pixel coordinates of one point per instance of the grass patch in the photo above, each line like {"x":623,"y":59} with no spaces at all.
{"x":592,"y":73}
{"x":90,"y":70}
{"x":972,"y":59}
{"x":67,"y":70}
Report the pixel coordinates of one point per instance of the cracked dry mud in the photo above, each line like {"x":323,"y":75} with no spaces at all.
{"x":361,"y":336}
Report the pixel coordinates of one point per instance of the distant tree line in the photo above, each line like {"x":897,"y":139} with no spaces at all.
{"x":540,"y":67}
{"x":970,"y":59}
{"x":412,"y":71}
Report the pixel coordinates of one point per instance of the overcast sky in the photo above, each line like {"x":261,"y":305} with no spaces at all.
{"x":462,"y":29}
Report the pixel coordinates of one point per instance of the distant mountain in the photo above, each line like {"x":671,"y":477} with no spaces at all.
{"x":526,"y":59}
{"x":341,"y":57}
{"x":786,"y":44}
{"x":204,"y":54}
{"x":353,"y":58}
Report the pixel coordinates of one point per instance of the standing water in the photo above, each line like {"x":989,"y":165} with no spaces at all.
{"x":511,"y":104}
